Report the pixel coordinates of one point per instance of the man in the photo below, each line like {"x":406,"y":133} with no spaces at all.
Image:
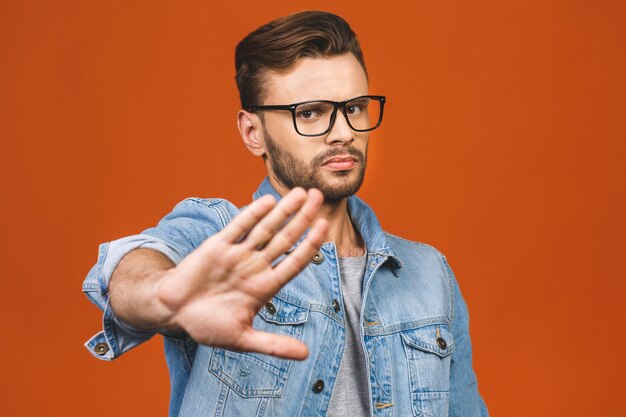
{"x":301,"y":307}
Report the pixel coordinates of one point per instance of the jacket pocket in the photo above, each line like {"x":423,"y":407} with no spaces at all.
{"x":428,"y":352}
{"x":254,"y":374}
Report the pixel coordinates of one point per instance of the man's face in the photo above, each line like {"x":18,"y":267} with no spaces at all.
{"x":335,"y":162}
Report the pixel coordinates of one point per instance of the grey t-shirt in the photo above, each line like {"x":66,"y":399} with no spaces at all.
{"x":350,"y":395}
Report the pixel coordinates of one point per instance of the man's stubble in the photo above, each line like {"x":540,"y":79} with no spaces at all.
{"x":293,"y":172}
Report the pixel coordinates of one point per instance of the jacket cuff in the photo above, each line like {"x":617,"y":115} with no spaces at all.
{"x":117,"y":336}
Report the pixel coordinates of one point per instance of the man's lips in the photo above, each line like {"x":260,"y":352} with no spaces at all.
{"x":340,"y":163}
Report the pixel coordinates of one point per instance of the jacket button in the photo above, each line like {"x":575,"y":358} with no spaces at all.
{"x":336,"y":306}
{"x":441,"y":343}
{"x":270,"y":307}
{"x":318,"y":387}
{"x":318,"y":258}
{"x":101,"y":348}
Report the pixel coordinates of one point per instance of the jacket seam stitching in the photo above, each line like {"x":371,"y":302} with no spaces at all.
{"x":446,"y":268}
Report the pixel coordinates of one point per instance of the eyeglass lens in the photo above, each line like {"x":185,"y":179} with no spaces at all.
{"x":314,"y":118}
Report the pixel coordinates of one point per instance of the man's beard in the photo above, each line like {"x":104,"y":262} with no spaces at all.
{"x":293,"y":172}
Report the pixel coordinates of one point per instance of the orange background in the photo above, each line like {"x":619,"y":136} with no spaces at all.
{"x":502,"y":145}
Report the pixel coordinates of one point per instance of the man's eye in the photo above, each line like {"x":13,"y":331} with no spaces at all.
{"x":308,"y":114}
{"x":354,"y":109}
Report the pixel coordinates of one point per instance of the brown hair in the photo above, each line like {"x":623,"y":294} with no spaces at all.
{"x":277,"y":46}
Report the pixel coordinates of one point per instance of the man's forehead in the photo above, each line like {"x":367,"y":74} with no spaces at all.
{"x":326,"y":78}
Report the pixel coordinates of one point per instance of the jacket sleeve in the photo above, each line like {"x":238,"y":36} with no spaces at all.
{"x":465,"y":400}
{"x":176,"y":235}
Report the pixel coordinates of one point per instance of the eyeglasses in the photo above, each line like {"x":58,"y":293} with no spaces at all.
{"x":316,"y":118}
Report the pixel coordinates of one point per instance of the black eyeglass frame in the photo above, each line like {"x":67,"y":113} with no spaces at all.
{"x":337,"y":105}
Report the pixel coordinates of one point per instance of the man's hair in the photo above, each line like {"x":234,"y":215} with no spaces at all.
{"x":278,"y":45}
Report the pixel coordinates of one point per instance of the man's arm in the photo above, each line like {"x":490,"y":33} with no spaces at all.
{"x":465,"y":400}
{"x":214,"y":293}
{"x":132,"y":289}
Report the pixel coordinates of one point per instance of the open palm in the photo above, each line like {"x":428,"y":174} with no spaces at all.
{"x":216,"y":291}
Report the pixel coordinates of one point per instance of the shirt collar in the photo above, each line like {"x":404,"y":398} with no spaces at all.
{"x":363,"y":218}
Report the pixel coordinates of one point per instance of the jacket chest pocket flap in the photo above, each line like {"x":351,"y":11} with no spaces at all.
{"x":254,"y":374}
{"x":428,"y":351}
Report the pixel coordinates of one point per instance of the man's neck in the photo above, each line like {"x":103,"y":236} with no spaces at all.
{"x":341,"y":231}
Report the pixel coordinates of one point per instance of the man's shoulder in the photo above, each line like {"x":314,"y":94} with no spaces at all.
{"x":193,"y":220}
{"x":203,"y":208}
{"x":400,"y":244}
{"x":206,"y":202}
{"x":416,"y":255}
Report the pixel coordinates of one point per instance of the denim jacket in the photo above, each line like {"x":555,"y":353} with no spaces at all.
{"x":414,"y":327}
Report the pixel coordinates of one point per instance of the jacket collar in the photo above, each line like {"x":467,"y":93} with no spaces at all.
{"x":362,"y":217}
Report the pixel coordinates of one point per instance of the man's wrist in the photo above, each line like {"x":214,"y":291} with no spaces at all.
{"x":133,"y":289}
{"x":163,"y":313}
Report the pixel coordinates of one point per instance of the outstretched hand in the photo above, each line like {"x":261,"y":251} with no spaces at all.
{"x":216,"y":291}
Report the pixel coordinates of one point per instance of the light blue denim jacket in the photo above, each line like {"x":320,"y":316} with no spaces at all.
{"x":414,"y":324}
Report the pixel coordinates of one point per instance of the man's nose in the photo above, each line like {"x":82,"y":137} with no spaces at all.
{"x":341,"y":133}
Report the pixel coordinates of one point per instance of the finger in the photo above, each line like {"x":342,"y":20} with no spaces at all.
{"x":246,"y":220}
{"x":297,"y":260}
{"x":273,"y":344}
{"x":291,"y":232}
{"x":265,"y":230}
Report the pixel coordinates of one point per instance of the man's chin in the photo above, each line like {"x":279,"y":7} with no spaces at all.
{"x":339,"y":187}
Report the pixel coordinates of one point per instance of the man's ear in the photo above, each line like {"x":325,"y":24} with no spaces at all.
{"x":251,"y":131}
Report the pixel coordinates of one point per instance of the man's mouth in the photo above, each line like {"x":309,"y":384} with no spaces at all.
{"x":340,"y":163}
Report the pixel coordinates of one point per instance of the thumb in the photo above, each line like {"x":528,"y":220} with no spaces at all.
{"x":273,"y":344}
